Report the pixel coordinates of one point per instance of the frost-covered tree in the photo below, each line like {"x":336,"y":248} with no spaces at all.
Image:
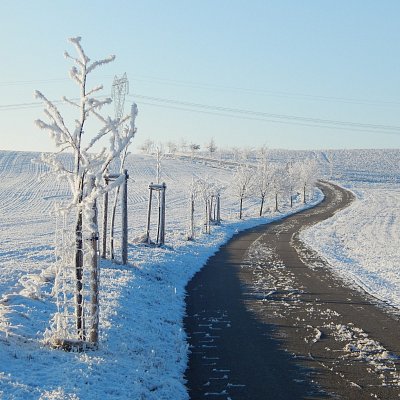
{"x":292,"y":179}
{"x":247,"y":153}
{"x":121,"y":169}
{"x":263,"y":152}
{"x":242,"y":184}
{"x":172,"y":147}
{"x":308,"y":175}
{"x":236,"y":153}
{"x":183,"y":145}
{"x":160,"y":154}
{"x":209,"y":190}
{"x":85,"y":178}
{"x":211,"y":147}
{"x":263,"y":181}
{"x":277,"y":183}
{"x":147,"y":146}
{"x":194,"y":147}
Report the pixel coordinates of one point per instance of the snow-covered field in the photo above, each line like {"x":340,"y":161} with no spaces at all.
{"x":361,"y":243}
{"x":143,"y":351}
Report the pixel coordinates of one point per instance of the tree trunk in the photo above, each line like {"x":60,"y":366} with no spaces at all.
{"x":276,"y":202}
{"x":304,"y":194}
{"x":79,"y":275}
{"x":240,"y":208}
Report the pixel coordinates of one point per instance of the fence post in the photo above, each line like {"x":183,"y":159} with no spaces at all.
{"x":149,"y":214}
{"x":124,"y":196}
{"x":162,"y":228}
{"x":105,"y":221}
{"x":218,"y":209}
{"x":94,"y":276}
{"x":191,"y":237}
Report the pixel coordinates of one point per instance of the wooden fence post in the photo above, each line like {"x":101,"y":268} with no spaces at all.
{"x":218,"y":209}
{"x":162,"y":222}
{"x":105,"y":221}
{"x":94,"y":275}
{"x":191,"y":234}
{"x":149,"y":214}
{"x":124,"y":196}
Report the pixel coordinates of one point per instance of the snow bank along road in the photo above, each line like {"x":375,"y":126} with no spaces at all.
{"x":265,"y":296}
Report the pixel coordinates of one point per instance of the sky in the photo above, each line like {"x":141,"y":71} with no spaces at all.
{"x":291,"y":74}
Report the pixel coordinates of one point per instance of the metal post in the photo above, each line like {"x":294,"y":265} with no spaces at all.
{"x":124,"y":212}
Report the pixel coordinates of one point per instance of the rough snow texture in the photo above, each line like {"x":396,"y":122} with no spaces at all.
{"x":361,"y":243}
{"x":143,"y":349}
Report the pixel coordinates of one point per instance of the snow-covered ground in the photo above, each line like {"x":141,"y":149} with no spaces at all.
{"x":361,"y":243}
{"x":143,"y":352}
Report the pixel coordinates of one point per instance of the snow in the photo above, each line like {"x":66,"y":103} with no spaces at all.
{"x":361,"y":243}
{"x":143,"y":348}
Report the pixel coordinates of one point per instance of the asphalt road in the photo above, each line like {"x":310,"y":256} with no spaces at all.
{"x":267,"y":319}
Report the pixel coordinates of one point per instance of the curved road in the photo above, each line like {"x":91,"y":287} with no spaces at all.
{"x":267,"y":319}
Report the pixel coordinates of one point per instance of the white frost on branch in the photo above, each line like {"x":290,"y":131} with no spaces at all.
{"x":120,"y":132}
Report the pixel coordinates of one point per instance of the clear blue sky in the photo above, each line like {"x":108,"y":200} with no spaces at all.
{"x":314,"y":59}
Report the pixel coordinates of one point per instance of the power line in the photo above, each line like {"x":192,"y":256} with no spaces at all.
{"x":281,"y":117}
{"x":239,"y":114}
{"x":265,"y":119}
{"x":208,"y":86}
{"x":303,"y":96}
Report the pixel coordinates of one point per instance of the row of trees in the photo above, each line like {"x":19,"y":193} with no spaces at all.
{"x":265,"y":180}
{"x":170,"y":147}
{"x":281,"y":180}
{"x":88,"y":179}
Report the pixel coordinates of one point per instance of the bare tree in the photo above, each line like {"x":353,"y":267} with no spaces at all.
{"x":86,"y":177}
